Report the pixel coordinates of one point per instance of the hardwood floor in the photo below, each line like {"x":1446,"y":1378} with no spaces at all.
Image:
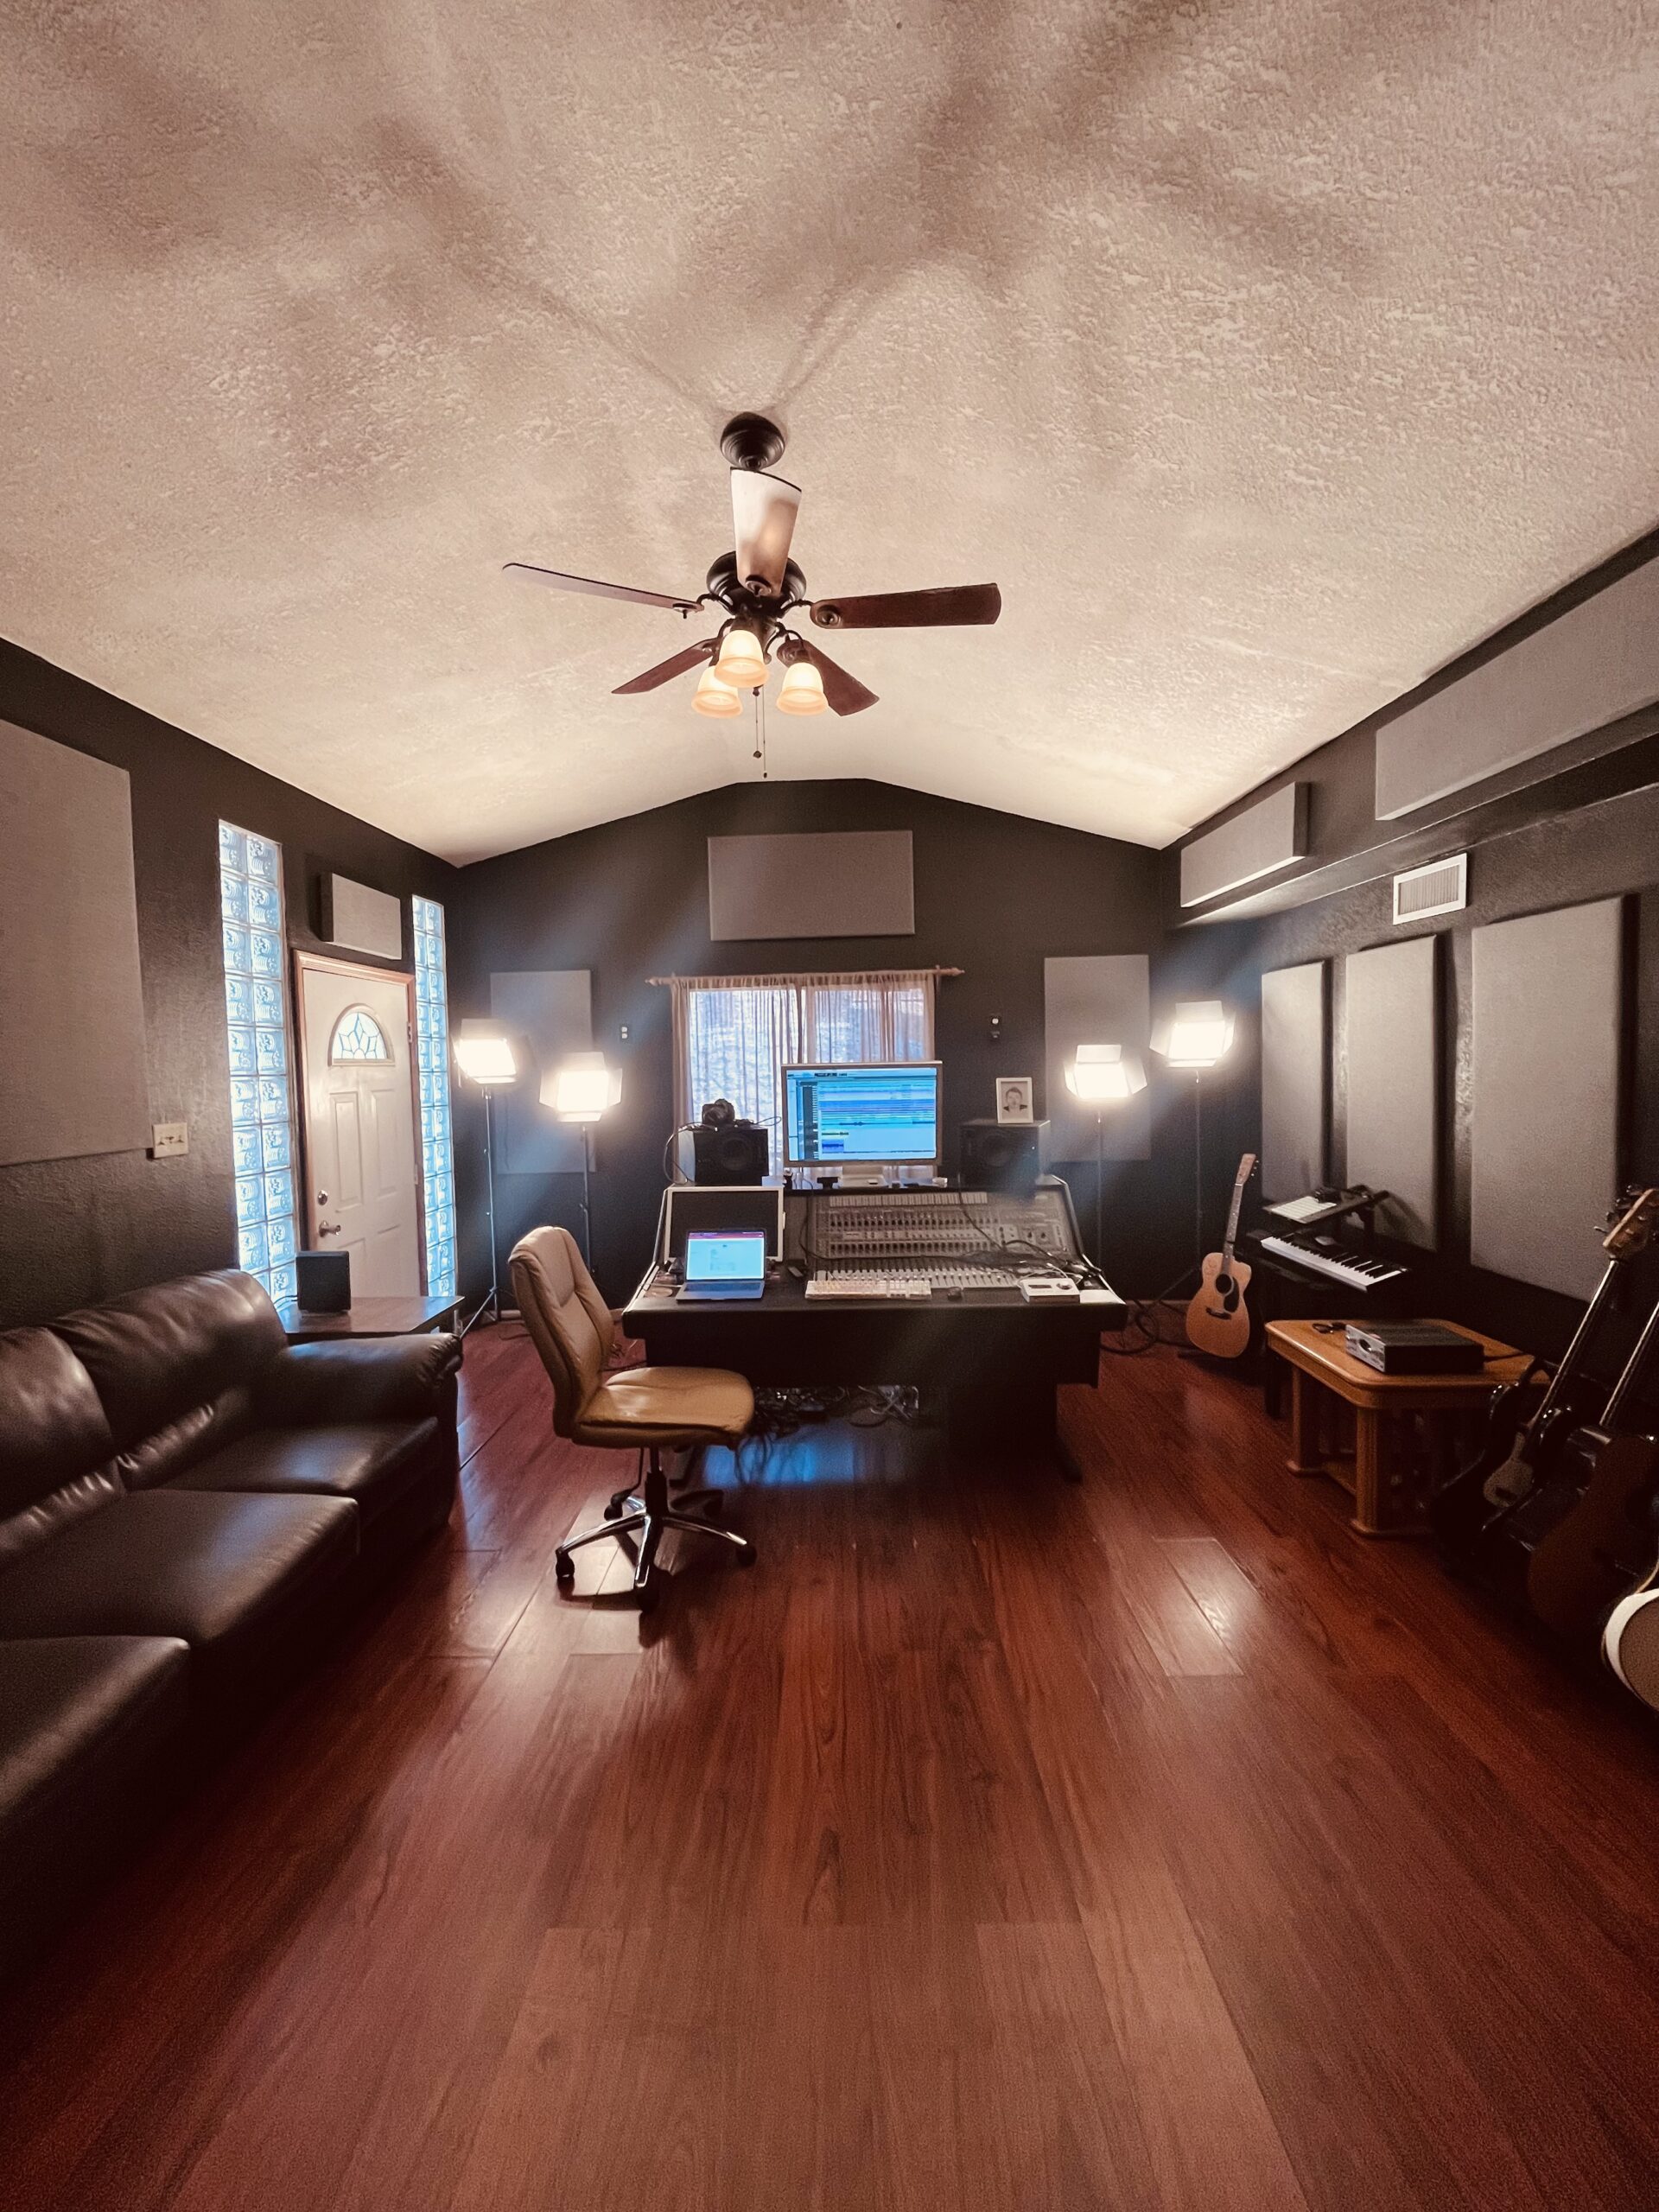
{"x":993,"y":1843}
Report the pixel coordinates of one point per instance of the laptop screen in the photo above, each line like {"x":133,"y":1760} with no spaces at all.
{"x":734,"y":1255}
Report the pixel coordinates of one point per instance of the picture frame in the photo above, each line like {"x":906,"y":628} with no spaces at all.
{"x":1013,"y":1098}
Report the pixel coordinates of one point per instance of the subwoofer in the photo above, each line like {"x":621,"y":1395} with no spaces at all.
{"x":733,"y":1152}
{"x":1002,"y":1155}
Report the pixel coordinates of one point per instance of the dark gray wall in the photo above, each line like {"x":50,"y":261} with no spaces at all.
{"x":995,"y":895}
{"x":73,"y":1230}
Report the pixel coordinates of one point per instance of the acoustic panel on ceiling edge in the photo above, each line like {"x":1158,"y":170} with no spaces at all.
{"x":1544,"y":1105}
{"x":812,"y":884}
{"x":553,"y":1008}
{"x":1094,"y":999}
{"x":1293,"y":1085}
{"x":73,"y":1078}
{"x":1596,"y":662}
{"x":1268,"y":836}
{"x":1393,"y":1112}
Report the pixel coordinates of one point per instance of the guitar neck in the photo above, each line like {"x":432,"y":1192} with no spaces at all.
{"x":1245,"y":1169}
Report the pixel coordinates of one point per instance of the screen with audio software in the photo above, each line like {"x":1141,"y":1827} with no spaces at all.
{"x":738,"y":1258}
{"x":836,"y":1117}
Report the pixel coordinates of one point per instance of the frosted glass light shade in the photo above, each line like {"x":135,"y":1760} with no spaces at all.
{"x":581,"y":1087}
{"x":1102,"y":1074}
{"x":1197,"y":1035}
{"x":802,"y":691}
{"x":484,"y":1053}
{"x":714,"y":698}
{"x":741,"y":662}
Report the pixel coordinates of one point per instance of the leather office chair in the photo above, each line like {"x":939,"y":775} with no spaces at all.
{"x":644,"y":1410}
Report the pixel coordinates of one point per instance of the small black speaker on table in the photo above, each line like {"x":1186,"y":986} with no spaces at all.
{"x":1002,"y":1155}
{"x":324,"y":1280}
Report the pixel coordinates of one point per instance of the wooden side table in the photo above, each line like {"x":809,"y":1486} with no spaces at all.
{"x":1384,"y":1473}
{"x":372,"y":1317}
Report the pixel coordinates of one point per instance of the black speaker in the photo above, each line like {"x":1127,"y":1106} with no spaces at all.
{"x":737,"y":1151}
{"x":1002,"y":1155}
{"x":324,"y":1281}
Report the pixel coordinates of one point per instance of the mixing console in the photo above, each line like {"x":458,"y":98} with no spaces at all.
{"x":952,"y":1240}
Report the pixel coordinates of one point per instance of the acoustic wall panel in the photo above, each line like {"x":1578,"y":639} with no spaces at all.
{"x":73,"y":1073}
{"x":1598,"y":661}
{"x":360,"y":919}
{"x":1266,"y":836}
{"x":553,"y":1008}
{"x":1548,"y":1006}
{"x":1103,"y":999}
{"x":834,"y":883}
{"x":1294,"y":1087}
{"x":1393,"y":1118}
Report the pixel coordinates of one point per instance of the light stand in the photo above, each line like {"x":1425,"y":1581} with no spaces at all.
{"x":1196,"y":1037}
{"x":484,"y":1055}
{"x":1098,"y":1075}
{"x":580,"y":1090}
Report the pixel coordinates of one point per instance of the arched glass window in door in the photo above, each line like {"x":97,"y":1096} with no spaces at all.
{"x":357,"y":1036}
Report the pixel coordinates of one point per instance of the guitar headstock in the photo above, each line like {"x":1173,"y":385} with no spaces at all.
{"x":1632,"y":1224}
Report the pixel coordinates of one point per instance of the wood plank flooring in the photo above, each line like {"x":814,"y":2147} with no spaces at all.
{"x":993,"y":1843}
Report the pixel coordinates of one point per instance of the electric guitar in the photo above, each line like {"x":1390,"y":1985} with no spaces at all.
{"x":1217,"y":1321}
{"x":1603,"y":1544}
{"x":1525,"y":1432}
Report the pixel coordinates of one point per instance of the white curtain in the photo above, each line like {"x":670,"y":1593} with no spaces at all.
{"x":734,"y":1033}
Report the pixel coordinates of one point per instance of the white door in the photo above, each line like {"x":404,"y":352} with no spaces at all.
{"x":359,"y":1122}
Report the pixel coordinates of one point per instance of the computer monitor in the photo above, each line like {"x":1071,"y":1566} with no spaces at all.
{"x":873,"y":1116}
{"x":735,"y":1255}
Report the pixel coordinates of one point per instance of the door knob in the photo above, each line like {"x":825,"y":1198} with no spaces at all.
{"x":323,"y":1198}
{"x":327,"y":1229}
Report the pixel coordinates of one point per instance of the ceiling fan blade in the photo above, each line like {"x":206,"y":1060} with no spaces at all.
{"x":844,"y":693}
{"x":906,"y":610}
{"x":556,"y":581}
{"x":666,"y":670}
{"x":764,"y":509}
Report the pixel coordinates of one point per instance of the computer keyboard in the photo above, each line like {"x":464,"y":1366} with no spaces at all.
{"x":867,"y":1286}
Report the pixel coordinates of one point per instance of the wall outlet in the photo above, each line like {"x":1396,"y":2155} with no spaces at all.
{"x":625,"y":1033}
{"x":169,"y":1139}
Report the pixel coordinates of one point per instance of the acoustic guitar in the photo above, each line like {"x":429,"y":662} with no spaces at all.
{"x":1526,"y":1433}
{"x":1218,"y":1319}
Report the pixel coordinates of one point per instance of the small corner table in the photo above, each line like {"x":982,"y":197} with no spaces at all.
{"x":1388,"y":1480}
{"x":372,"y":1317}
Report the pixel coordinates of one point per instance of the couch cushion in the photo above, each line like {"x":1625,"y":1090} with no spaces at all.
{"x":667,"y":1405}
{"x":158,"y":1355}
{"x":226,"y":1574}
{"x":78,"y":1714}
{"x":372,"y":1462}
{"x":52,"y":1426}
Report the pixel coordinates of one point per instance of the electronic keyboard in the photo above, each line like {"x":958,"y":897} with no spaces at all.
{"x":1326,"y":1257}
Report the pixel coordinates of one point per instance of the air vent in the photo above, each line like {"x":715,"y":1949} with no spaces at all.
{"x":1441,"y":888}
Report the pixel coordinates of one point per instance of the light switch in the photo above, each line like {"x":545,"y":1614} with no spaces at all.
{"x":169,"y":1139}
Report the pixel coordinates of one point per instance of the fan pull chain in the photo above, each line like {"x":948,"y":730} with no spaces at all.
{"x":760,"y":729}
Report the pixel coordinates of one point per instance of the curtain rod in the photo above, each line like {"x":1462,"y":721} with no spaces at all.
{"x":834,"y":974}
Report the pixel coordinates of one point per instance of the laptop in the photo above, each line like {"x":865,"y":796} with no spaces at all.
{"x":725,"y":1263}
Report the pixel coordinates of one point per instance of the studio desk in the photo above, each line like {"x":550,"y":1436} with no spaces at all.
{"x":991,"y":1361}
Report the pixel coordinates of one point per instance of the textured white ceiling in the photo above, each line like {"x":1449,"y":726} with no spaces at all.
{"x":1266,"y":353}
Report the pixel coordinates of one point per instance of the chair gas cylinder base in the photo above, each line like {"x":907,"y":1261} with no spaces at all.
{"x":649,"y":1410}
{"x":647,"y":1514}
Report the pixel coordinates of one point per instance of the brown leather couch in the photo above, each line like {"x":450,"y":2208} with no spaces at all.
{"x":187,"y":1504}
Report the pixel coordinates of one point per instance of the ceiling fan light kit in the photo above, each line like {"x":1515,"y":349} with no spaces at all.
{"x":756,"y":585}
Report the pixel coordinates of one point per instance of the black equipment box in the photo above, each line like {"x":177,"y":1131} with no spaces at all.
{"x":729,"y":1152}
{"x":324,"y":1282}
{"x":1413,"y":1348}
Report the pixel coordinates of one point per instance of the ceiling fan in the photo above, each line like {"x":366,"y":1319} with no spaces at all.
{"x":757,"y":585}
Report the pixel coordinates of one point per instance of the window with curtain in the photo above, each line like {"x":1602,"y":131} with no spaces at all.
{"x":734,"y":1034}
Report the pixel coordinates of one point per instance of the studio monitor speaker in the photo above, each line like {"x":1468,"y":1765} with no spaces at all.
{"x":737,"y":1153}
{"x":1002,"y":1155}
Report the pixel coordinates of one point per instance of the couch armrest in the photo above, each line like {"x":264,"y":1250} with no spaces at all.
{"x":370,"y":1378}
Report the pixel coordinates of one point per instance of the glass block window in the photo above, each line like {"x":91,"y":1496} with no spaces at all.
{"x":432,"y":1053}
{"x":255,"y":1009}
{"x":357,"y":1036}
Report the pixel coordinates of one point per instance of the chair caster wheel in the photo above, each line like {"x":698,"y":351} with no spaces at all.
{"x":714,"y":1504}
{"x":565,"y":1568}
{"x":648,"y":1597}
{"x":613,"y":1511}
{"x":748,"y":1556}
